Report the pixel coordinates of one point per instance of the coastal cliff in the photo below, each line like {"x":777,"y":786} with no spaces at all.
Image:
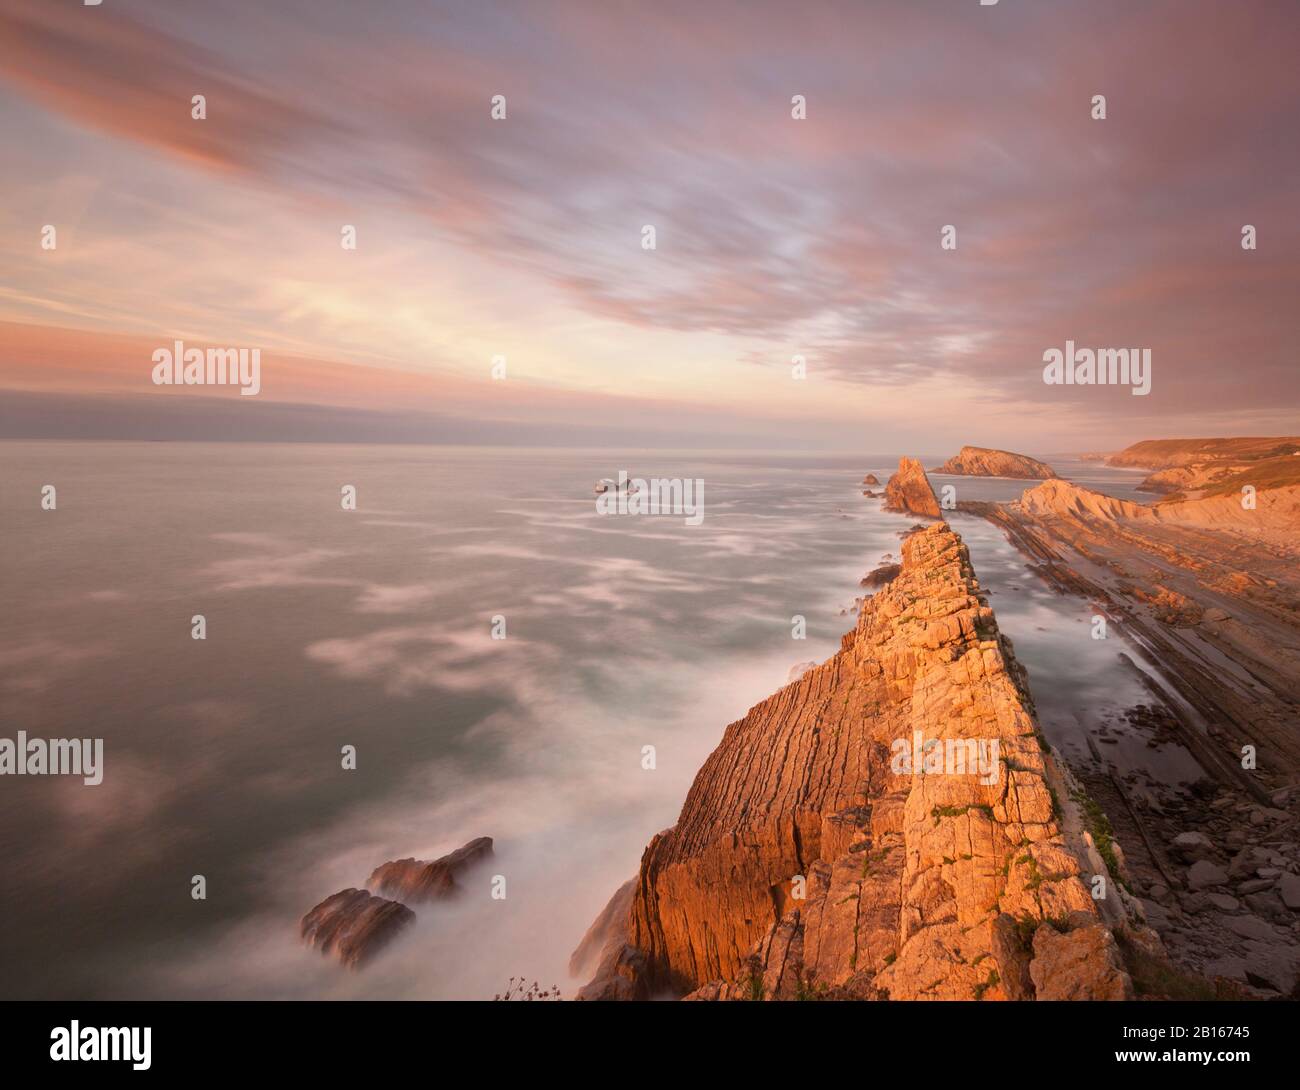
{"x":1191,"y":468}
{"x":889,"y":825}
{"x":987,"y":462}
{"x":1165,"y":453}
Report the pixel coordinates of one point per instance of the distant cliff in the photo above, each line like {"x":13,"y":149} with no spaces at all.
{"x":986,"y":462}
{"x":1192,"y":468}
{"x":821,"y":853}
{"x":1164,"y":453}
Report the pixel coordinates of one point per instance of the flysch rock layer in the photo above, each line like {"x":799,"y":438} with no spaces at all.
{"x":914,"y":885}
{"x":909,"y":491}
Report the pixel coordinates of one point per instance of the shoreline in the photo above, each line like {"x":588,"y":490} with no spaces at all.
{"x":1234,"y":816}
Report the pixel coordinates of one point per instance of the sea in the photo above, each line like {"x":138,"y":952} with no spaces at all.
{"x":406,"y":647}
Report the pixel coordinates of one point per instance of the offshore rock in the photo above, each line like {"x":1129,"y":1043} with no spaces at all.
{"x":353,"y":926}
{"x":414,"y":881}
{"x":909,"y":490}
{"x":987,"y":462}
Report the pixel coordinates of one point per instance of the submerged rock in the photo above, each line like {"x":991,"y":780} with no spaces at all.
{"x":414,"y":881}
{"x":353,"y":926}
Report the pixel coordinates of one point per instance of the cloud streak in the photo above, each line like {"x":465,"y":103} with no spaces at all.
{"x":775,"y":236}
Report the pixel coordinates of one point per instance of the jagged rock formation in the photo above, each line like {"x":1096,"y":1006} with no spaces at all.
{"x":353,"y":926}
{"x":908,"y":490}
{"x":822,"y":850}
{"x":414,"y":881}
{"x":870,"y":478}
{"x":987,"y":462}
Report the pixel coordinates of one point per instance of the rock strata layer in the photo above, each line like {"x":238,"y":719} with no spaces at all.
{"x":812,"y":858}
{"x":909,"y":491}
{"x":987,"y":462}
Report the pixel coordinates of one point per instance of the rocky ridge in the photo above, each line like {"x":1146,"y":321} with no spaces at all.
{"x":811,"y":860}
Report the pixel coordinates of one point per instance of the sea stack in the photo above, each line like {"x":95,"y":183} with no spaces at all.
{"x":909,"y":491}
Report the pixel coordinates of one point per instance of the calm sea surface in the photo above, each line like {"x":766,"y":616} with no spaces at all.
{"x":372,"y":628}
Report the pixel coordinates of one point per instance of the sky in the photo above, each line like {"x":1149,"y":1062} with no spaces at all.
{"x":775,"y":237}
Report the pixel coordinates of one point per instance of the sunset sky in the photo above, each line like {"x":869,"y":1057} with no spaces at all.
{"x":775,"y":236}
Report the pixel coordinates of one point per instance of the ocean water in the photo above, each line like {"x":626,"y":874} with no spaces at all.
{"x":373,"y":628}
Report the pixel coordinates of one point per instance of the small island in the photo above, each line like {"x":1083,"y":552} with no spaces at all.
{"x":987,"y":462}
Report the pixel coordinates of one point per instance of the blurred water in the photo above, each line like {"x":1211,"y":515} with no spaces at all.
{"x":371,"y":628}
